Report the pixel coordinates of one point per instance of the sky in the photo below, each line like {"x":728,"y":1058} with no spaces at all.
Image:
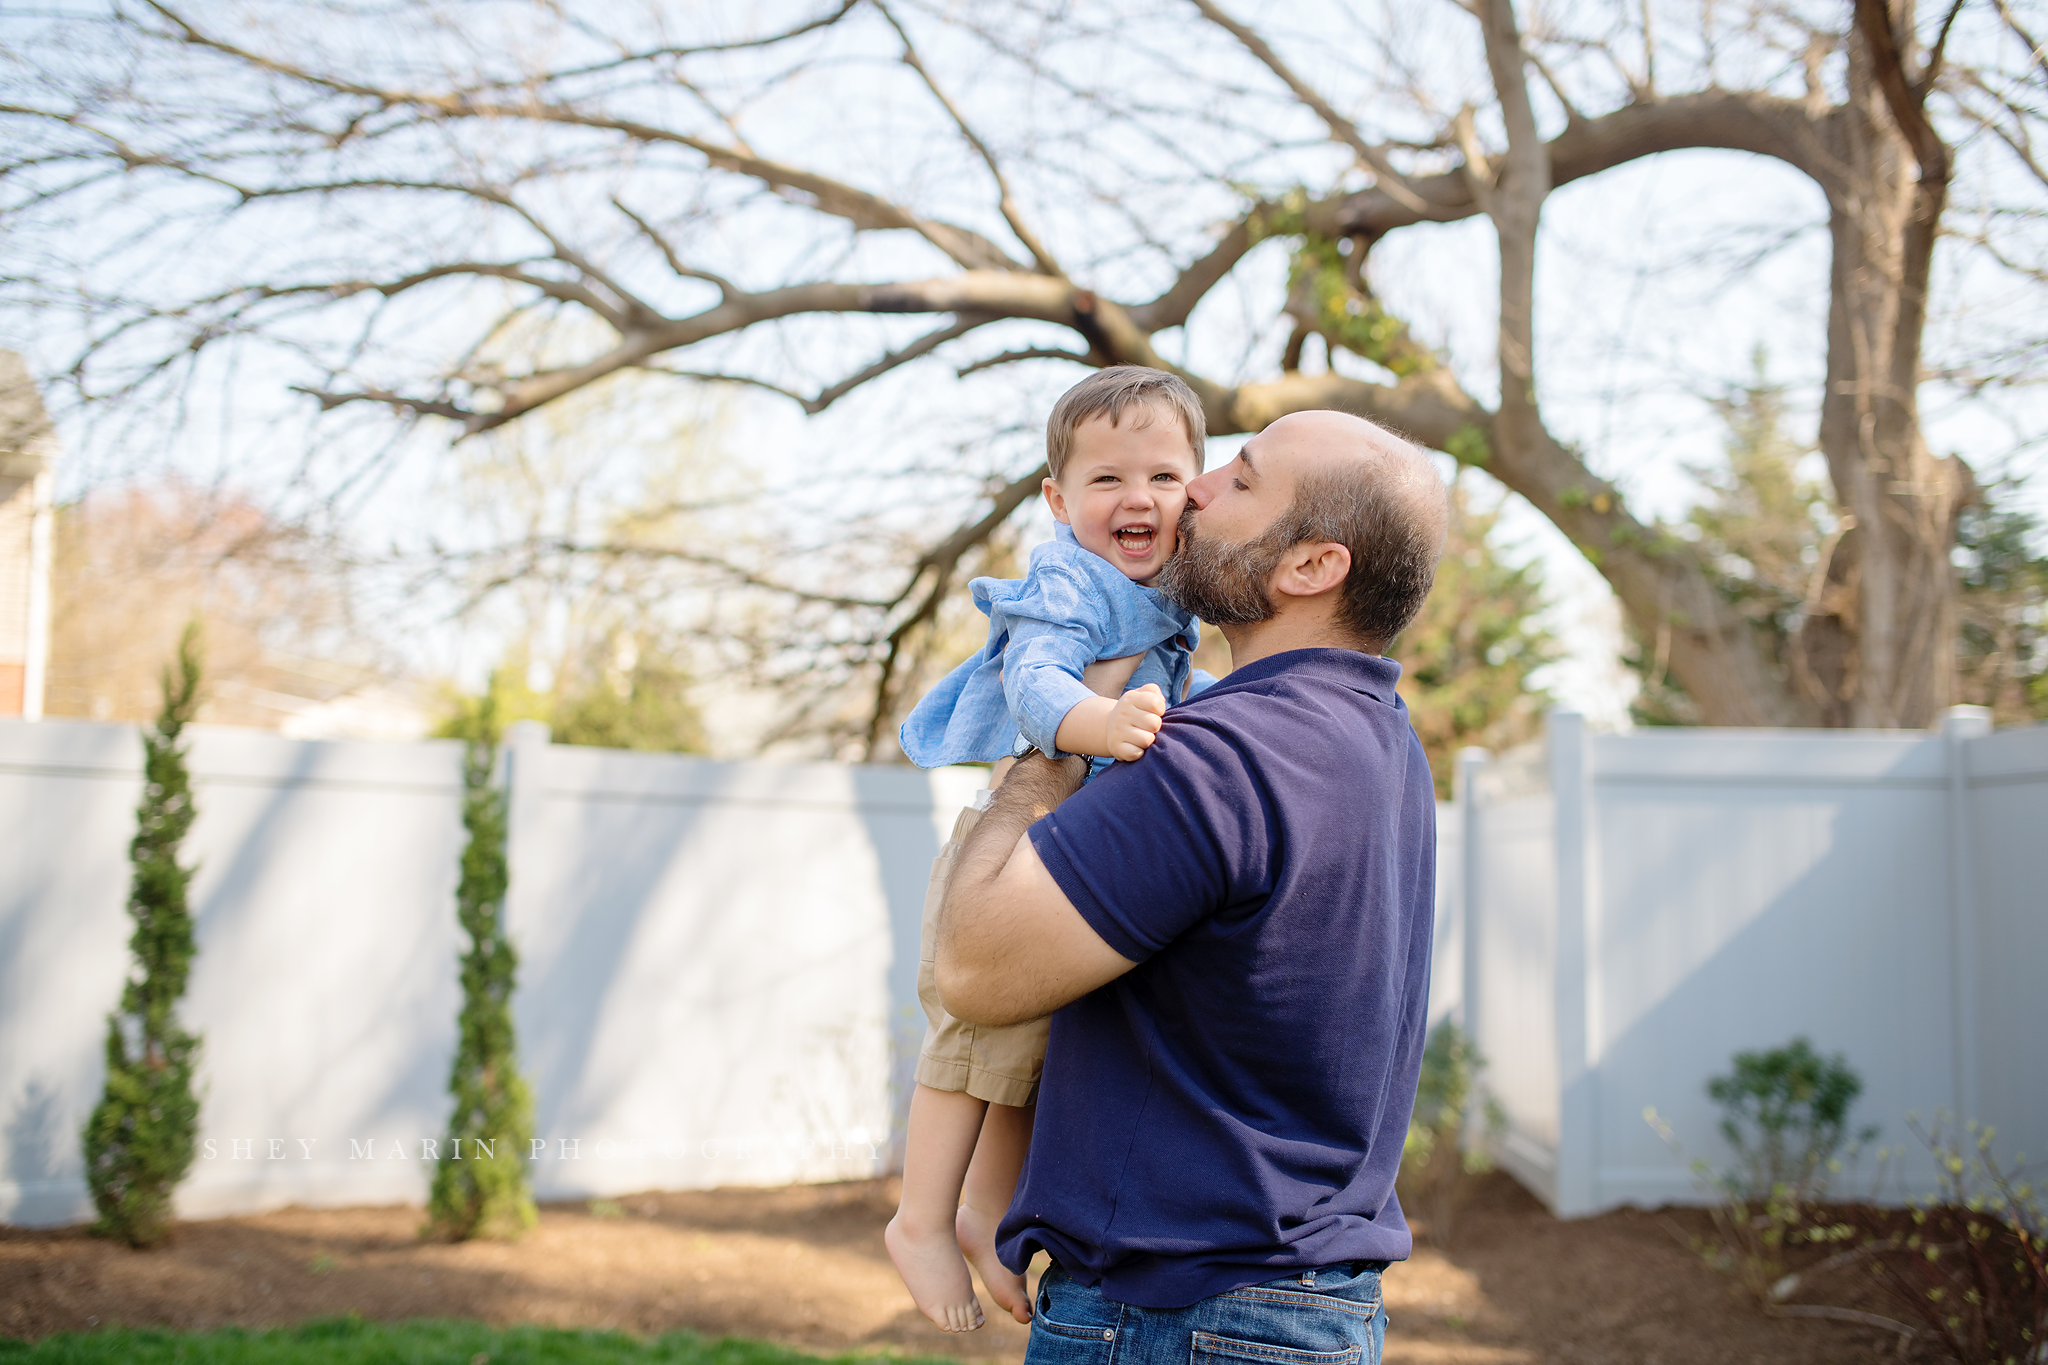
{"x":1658,"y":285}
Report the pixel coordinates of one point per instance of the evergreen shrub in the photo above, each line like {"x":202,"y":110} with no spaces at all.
{"x":140,"y":1140}
{"x":480,"y":1187}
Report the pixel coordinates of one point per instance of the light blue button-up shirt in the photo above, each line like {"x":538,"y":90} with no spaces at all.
{"x":1072,"y":608}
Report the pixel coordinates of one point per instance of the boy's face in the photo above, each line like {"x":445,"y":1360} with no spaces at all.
{"x":1123,"y":490}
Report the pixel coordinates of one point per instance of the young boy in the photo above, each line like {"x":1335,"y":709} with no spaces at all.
{"x":1121,"y":447}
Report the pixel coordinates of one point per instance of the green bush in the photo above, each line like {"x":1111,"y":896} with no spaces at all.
{"x":1786,"y":1114}
{"x":140,"y":1140}
{"x":481,"y":1190}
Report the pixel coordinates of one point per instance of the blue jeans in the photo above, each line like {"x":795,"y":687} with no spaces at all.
{"x":1330,"y":1316}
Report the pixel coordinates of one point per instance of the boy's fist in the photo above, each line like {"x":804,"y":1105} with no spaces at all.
{"x":1136,"y":719}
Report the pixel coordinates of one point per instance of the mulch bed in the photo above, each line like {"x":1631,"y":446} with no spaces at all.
{"x":804,"y":1266}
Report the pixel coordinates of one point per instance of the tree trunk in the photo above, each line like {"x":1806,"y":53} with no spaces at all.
{"x":1878,"y":645}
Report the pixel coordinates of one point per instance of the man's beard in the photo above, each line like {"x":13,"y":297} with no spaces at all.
{"x":1222,"y":581}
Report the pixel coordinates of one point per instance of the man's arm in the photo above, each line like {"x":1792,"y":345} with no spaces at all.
{"x":1011,"y":946}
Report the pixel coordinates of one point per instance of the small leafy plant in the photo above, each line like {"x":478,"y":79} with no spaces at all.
{"x":1965,"y":1270}
{"x":1786,"y":1114}
{"x":1785,"y":1111}
{"x":1438,"y":1158}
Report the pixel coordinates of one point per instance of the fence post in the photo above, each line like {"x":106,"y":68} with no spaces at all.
{"x":1959,"y":725}
{"x":1465,"y":792}
{"x":1577,"y":1113}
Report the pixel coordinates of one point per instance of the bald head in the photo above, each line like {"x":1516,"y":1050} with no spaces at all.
{"x":1324,"y":446}
{"x":1339,"y":480}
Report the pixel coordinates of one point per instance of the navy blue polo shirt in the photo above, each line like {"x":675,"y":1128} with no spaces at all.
{"x":1233,"y":1108}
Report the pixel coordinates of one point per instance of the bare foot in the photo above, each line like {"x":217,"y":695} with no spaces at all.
{"x":976,"y":1234}
{"x":932,"y":1270}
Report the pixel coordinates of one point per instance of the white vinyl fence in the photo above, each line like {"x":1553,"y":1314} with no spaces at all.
{"x":718,"y":961}
{"x":1636,"y":908}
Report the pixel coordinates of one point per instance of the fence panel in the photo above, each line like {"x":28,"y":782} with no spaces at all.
{"x":719,"y":961}
{"x":1877,"y":892}
{"x":1756,"y":887}
{"x":1511,"y":933}
{"x":2008,"y":841}
{"x":323,"y":988}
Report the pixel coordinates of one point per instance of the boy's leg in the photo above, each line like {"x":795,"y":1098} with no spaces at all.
{"x":939,"y":1143}
{"x":991,"y":1184}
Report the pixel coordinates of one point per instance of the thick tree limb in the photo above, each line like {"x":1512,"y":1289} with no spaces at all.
{"x":1734,"y":120}
{"x":1907,"y":103}
{"x":986,"y":295}
{"x":1171,"y":309}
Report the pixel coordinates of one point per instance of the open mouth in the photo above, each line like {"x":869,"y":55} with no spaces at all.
{"x":1136,"y":541}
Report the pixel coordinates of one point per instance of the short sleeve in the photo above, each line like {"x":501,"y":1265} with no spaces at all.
{"x":1151,"y":848}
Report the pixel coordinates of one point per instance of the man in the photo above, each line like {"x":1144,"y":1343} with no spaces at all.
{"x":1234,"y":931}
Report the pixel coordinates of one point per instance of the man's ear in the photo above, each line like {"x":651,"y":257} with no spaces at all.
{"x":1312,"y":569}
{"x":1057,"y":501}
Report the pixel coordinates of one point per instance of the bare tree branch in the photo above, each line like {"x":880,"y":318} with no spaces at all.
{"x":668,"y":253}
{"x":935,"y":569}
{"x":1391,"y":181}
{"x":865,"y":211}
{"x":1027,"y":353}
{"x":1008,"y":201}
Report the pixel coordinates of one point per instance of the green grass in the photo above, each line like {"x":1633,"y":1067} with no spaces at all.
{"x":351,"y":1341}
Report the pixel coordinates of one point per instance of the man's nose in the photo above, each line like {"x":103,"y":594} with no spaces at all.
{"x":1202,"y":488}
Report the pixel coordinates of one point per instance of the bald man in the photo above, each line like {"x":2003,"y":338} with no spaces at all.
{"x":1232,"y":936}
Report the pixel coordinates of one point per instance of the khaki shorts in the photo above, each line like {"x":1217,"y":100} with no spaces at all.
{"x":999,"y":1064}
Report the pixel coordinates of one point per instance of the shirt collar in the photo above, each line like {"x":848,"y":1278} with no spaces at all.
{"x":1371,"y":674}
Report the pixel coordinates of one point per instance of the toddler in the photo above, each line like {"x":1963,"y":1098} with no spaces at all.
{"x":1120,"y":447}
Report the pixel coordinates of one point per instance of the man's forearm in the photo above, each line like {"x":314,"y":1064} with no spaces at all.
{"x":1032,"y":788}
{"x":1011,"y":945}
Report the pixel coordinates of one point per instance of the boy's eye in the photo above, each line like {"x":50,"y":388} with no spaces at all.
{"x":1166,"y":478}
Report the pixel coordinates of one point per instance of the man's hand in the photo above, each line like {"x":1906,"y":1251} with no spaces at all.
{"x":1133,"y":722}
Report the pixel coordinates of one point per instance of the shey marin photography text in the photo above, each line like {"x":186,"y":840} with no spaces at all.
{"x":856,"y":1145}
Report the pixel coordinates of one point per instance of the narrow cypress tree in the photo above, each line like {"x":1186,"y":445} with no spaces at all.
{"x":139,"y":1141}
{"x":480,"y":1183}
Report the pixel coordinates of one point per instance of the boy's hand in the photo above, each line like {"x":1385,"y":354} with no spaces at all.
{"x":1133,"y":722}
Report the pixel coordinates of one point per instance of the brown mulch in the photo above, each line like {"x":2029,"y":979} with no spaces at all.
{"x":805,"y":1266}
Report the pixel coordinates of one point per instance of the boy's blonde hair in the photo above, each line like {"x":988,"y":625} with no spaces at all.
{"x":1112,"y":391}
